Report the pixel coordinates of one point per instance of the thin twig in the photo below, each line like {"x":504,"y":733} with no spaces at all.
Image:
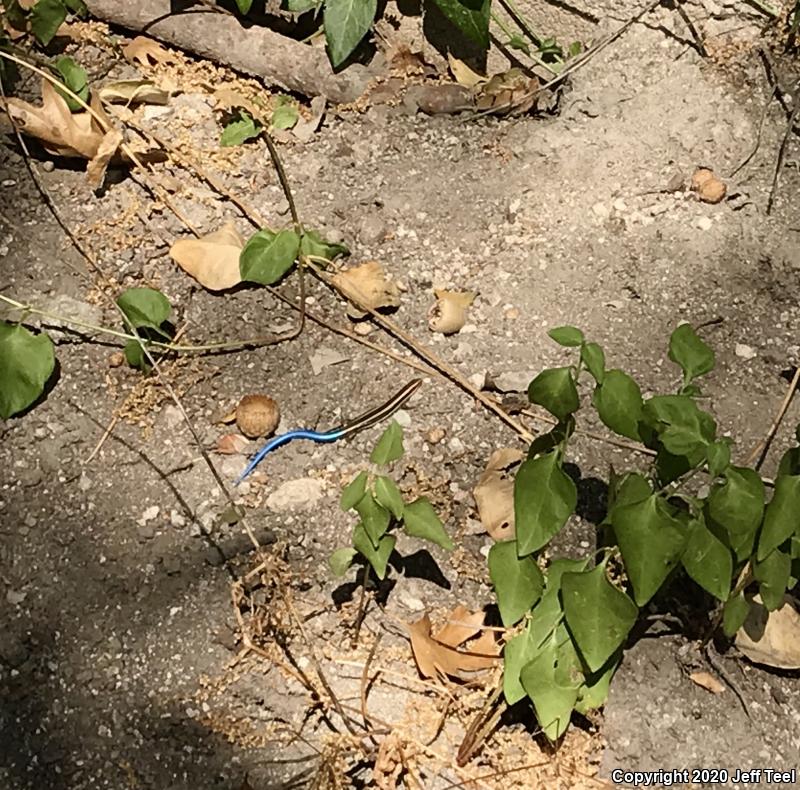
{"x":757,"y":143}
{"x":365,"y":682}
{"x":701,"y":47}
{"x":759,"y":453}
{"x":783,"y":146}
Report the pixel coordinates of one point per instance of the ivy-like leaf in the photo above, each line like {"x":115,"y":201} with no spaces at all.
{"x":376,"y":556}
{"x":300,"y":6}
{"x":544,"y":498}
{"x":240,"y":130}
{"x":46,"y":18}
{"x":145,"y":308}
{"x":594,"y":360}
{"x":708,"y":561}
{"x":346,"y":23}
{"x":135,"y":356}
{"x":420,"y":521}
{"x":681,"y":427}
{"x":594,"y":692}
{"x":599,"y":615}
{"x":618,"y":401}
{"x":390,"y":446}
{"x":519,"y":651}
{"x":734,"y":613}
{"x":782,"y":516}
{"x":552,"y":680}
{"x":719,"y":457}
{"x":388,"y":494}
{"x":471,"y":17}
{"x":314,"y":245}
{"x":690,"y":352}
{"x":555,"y":389}
{"x":631,"y":487}
{"x":26,"y":363}
{"x":651,"y":542}
{"x":772,"y":575}
{"x":736,"y":506}
{"x":341,"y":560}
{"x":569,"y":336}
{"x":790,"y":462}
{"x":517,"y":582}
{"x":374,"y":517}
{"x":353,"y":491}
{"x":244,"y":6}
{"x":267,"y":256}
{"x":284,"y":116}
{"x":74,"y":77}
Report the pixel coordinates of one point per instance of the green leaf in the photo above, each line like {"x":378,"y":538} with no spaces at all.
{"x":651,"y":542}
{"x":719,"y":457}
{"x":518,"y":42}
{"x":575,"y":49}
{"x":594,"y":360}
{"x":517,"y":582}
{"x":145,"y":307}
{"x":388,"y":494}
{"x":690,"y":352}
{"x":736,"y":506}
{"x":557,"y":436}
{"x":518,"y":651}
{"x":567,"y":336}
{"x":376,"y":556}
{"x":790,"y":462}
{"x":390,"y":446}
{"x":773,"y":574}
{"x":77,"y":7}
{"x":374,"y":517}
{"x":734,"y":613}
{"x":26,"y":363}
{"x":74,"y":77}
{"x":618,"y":401}
{"x":341,"y":560}
{"x":267,"y":256}
{"x":544,"y":498}
{"x":594,"y":692}
{"x":285,"y":116}
{"x":552,"y":680}
{"x":240,"y":130}
{"x":244,"y":6}
{"x":46,"y":18}
{"x":471,"y":17}
{"x":300,"y":6}
{"x":313,"y":244}
{"x":599,"y":615}
{"x":135,"y":356}
{"x":708,"y":561}
{"x":782,"y":516}
{"x":555,"y":389}
{"x":631,"y":487}
{"x":681,"y":427}
{"x":346,"y":23}
{"x":353,"y":491}
{"x":420,"y":521}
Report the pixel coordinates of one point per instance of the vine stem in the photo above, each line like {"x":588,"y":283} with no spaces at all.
{"x":537,"y":60}
{"x":104,"y":330}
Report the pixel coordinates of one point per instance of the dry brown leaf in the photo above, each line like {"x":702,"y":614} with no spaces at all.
{"x":147,"y":51}
{"x":494,"y":493}
{"x":232,"y":444}
{"x":707,"y":681}
{"x":133,"y":92}
{"x":227,"y":98}
{"x":212,"y":260}
{"x":449,"y":313}
{"x":463,"y":74}
{"x":771,"y":638}
{"x":435,"y":658}
{"x":460,"y":626}
{"x":708,"y":187}
{"x":98,"y":164}
{"x":509,"y":93}
{"x":367,"y":285}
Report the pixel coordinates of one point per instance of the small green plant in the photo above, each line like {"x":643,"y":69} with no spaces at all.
{"x":379,"y":504}
{"x":43,"y":18}
{"x":730,"y":542}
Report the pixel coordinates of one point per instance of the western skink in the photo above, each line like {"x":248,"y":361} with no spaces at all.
{"x":353,"y":426}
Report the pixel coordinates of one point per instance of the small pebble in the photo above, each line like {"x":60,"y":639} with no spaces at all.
{"x":745,"y":351}
{"x":435,"y":435}
{"x":704,"y":223}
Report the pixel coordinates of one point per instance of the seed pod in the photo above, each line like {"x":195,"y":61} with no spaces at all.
{"x":257,"y":415}
{"x":708,"y":187}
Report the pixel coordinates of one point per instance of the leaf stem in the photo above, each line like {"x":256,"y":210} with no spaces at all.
{"x":535,"y":58}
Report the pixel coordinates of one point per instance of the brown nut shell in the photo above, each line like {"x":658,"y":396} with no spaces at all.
{"x":257,"y":415}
